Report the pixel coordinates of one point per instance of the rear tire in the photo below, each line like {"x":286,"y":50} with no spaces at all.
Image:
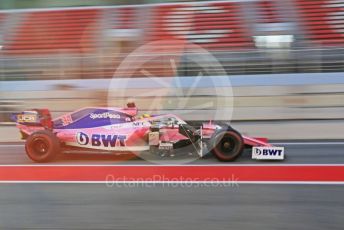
{"x":227,"y":144}
{"x":42,"y":146}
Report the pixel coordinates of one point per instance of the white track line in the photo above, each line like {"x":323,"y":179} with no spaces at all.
{"x":230,"y":183}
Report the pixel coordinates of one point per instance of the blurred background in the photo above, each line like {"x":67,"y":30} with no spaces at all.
{"x":284,"y":58}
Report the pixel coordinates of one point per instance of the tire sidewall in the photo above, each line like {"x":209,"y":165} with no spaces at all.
{"x":52,"y":143}
{"x":238,"y":142}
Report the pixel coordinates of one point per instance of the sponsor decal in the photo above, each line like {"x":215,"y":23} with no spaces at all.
{"x":268,"y":153}
{"x":128,"y":125}
{"x":141,"y":124}
{"x":153,"y":138}
{"x":104,"y":140}
{"x":165,"y":146}
{"x":82,"y":138}
{"x":104,"y":115}
{"x":66,"y":120}
{"x":26,"y":118}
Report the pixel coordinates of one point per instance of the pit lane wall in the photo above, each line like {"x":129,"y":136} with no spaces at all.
{"x":278,"y":106}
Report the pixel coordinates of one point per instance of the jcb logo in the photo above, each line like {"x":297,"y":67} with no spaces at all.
{"x":26,"y":118}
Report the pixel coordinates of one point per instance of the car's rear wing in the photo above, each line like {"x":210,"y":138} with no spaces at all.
{"x":34,"y":117}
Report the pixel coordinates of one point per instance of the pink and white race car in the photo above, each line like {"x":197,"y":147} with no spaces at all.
{"x":121,"y":130}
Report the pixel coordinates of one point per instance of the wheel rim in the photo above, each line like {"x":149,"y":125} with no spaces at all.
{"x":40,"y":146}
{"x":227,"y":145}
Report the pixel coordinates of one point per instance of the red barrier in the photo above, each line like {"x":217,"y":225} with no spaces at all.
{"x":240,"y":173}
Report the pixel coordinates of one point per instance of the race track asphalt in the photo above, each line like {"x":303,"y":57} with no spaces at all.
{"x":296,"y":153}
{"x":174,"y":206}
{"x":95,"y":206}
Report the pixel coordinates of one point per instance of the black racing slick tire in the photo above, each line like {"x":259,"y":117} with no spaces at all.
{"x":42,"y":146}
{"x":227,"y":144}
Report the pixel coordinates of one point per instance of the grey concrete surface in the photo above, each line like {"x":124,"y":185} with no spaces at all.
{"x":95,"y":206}
{"x":302,"y":153}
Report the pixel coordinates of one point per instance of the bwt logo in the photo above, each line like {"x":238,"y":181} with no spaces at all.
{"x":269,"y":152}
{"x":101,"y":139}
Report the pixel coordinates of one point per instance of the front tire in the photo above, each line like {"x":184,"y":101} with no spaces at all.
{"x":42,"y":146}
{"x":227,"y":144}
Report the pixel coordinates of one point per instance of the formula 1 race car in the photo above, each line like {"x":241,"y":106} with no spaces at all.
{"x":121,"y":130}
